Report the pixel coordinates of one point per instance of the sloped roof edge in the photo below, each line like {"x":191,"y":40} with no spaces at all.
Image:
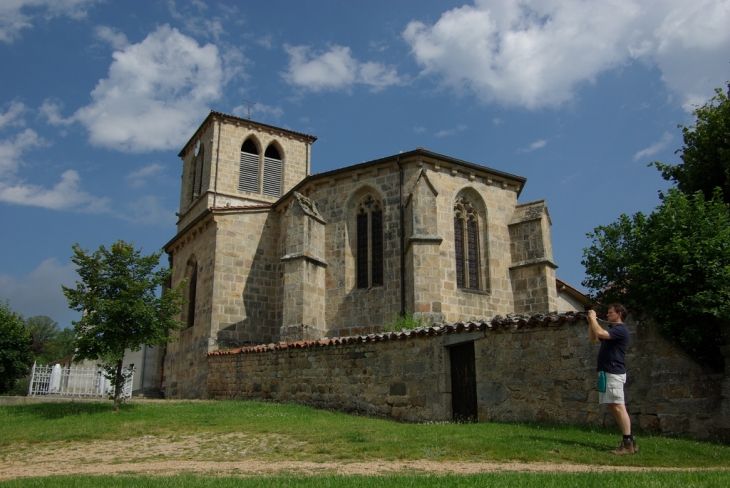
{"x":510,"y":322}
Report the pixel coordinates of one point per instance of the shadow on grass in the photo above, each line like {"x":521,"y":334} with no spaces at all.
{"x":50,"y":411}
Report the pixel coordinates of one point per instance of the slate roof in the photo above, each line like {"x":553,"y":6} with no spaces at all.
{"x":510,"y":322}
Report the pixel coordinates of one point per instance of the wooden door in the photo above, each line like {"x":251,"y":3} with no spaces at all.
{"x":463,"y":382}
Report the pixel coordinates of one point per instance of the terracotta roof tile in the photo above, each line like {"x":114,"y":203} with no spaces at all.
{"x":511,"y":321}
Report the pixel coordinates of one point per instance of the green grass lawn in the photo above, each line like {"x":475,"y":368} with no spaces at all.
{"x":297,"y":433}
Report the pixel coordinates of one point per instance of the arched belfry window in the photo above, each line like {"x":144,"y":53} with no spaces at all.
{"x":272,"y":172}
{"x":369,"y":243}
{"x":248,"y":175}
{"x":466,"y":243}
{"x":191,"y":288}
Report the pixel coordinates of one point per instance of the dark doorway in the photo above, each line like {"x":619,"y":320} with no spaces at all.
{"x":463,"y":382}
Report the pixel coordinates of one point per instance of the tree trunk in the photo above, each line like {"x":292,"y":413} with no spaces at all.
{"x":118,"y":385}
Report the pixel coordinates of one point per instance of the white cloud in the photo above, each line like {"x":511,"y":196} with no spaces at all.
{"x":539,"y":144}
{"x":142,"y":176}
{"x":52,"y":111}
{"x":13,"y":116}
{"x":655,"y":148}
{"x":258,"y":108}
{"x":497,"y":121}
{"x":39,"y":292}
{"x":114,"y":37}
{"x":335,"y":69}
{"x":535,"y":54}
{"x":64,"y":195}
{"x":451,"y":132}
{"x":155,"y":94}
{"x":266,"y":42}
{"x":16,"y":15}
{"x":11,"y":151}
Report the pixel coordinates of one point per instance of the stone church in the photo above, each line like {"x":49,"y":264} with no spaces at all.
{"x":271,"y":253}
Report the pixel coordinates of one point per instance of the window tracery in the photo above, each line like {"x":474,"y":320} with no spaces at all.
{"x":369,"y":243}
{"x":466,"y":243}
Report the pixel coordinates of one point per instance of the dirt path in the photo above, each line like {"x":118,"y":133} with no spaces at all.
{"x":157,"y":456}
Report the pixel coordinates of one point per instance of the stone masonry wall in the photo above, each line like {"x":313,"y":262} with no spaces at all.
{"x":543,"y":372}
{"x":185,"y":364}
{"x":402,"y":379}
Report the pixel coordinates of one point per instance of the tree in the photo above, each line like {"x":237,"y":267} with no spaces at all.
{"x":117,"y":296}
{"x":42,"y":329}
{"x":15,"y":353}
{"x":706,"y":151}
{"x":61,"y":346}
{"x":673,"y":265}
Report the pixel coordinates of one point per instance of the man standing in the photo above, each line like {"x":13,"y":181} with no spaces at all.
{"x":611,"y":366}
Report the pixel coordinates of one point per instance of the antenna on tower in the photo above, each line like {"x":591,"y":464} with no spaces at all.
{"x":249,"y":102}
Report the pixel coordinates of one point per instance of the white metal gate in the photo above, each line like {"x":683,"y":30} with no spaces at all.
{"x":73,"y":382}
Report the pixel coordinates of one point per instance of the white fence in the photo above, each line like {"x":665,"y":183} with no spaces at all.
{"x":73,"y":382}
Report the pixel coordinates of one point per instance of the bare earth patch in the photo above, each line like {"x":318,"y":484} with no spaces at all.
{"x":228,"y":455}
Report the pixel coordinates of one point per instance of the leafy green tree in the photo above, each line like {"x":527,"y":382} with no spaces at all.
{"x":706,"y":151}
{"x":42,"y":329}
{"x":15,"y":353}
{"x":61,"y":346}
{"x":121,"y":310}
{"x":673,"y":265}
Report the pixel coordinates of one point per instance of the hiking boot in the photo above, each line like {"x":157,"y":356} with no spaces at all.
{"x":626,"y":447}
{"x":636,"y":447}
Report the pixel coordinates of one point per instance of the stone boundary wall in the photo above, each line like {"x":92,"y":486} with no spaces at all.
{"x":528,"y":369}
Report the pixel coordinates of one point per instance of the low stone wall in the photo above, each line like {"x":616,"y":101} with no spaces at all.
{"x":535,"y":369}
{"x":402,"y":379}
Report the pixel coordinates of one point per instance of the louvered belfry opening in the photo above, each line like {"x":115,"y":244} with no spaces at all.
{"x":466,"y":244}
{"x":272,"y":172}
{"x":369,"y":243}
{"x":248,"y":176}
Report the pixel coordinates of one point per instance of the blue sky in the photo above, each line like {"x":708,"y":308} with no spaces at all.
{"x":97,"y":98}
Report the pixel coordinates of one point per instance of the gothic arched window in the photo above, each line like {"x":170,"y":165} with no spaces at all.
{"x":272,"y":172}
{"x":369,"y":243}
{"x":466,"y":243}
{"x":248,"y":175}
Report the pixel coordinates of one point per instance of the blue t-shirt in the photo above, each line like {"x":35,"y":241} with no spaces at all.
{"x":612,"y":352}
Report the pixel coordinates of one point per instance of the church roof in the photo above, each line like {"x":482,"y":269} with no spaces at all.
{"x":213,"y":114}
{"x":510,"y":322}
{"x":418,"y":152}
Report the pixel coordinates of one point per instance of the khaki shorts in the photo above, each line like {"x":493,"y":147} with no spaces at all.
{"x":614,"y":389}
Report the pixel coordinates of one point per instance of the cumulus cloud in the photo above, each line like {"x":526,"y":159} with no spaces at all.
{"x":16,"y":15}
{"x":335,"y":69}
{"x":64,"y":195}
{"x":51,"y":109}
{"x":12,"y":149}
{"x":155,"y":94}
{"x":114,"y":37}
{"x":655,"y":148}
{"x":536,"y":54}
{"x":13,"y":117}
{"x":539,"y":144}
{"x":39,"y":292}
